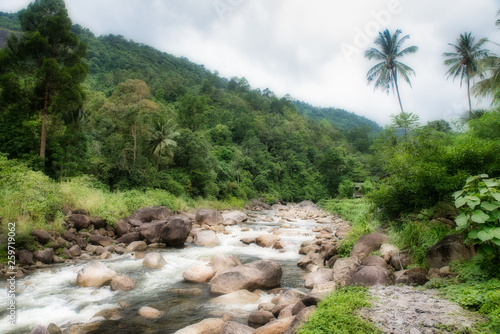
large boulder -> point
(79, 221)
(96, 239)
(301, 318)
(198, 274)
(222, 262)
(322, 275)
(129, 238)
(275, 327)
(234, 216)
(414, 276)
(374, 260)
(41, 236)
(151, 231)
(263, 274)
(311, 260)
(122, 283)
(45, 256)
(208, 217)
(122, 228)
(206, 238)
(370, 276)
(451, 248)
(154, 260)
(207, 326)
(95, 275)
(240, 297)
(25, 257)
(233, 327)
(367, 244)
(344, 269)
(267, 240)
(175, 232)
(150, 213)
(257, 319)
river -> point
(51, 295)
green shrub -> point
(346, 189)
(336, 314)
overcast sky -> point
(312, 50)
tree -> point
(464, 62)
(385, 73)
(162, 139)
(50, 55)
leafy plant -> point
(479, 205)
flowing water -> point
(51, 295)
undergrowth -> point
(336, 314)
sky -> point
(312, 50)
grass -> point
(336, 314)
(477, 288)
(359, 212)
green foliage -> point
(359, 212)
(479, 205)
(336, 314)
(477, 288)
(417, 237)
(346, 189)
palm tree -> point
(385, 73)
(465, 61)
(162, 139)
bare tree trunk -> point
(468, 95)
(394, 74)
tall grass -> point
(359, 212)
(417, 237)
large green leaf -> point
(496, 196)
(490, 206)
(484, 176)
(485, 235)
(462, 221)
(473, 201)
(479, 217)
(456, 194)
(459, 202)
(491, 183)
(496, 232)
(496, 241)
(473, 234)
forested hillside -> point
(152, 120)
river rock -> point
(222, 262)
(150, 213)
(387, 251)
(151, 231)
(129, 238)
(110, 314)
(96, 239)
(41, 236)
(95, 275)
(54, 329)
(199, 274)
(263, 274)
(150, 313)
(243, 297)
(175, 232)
(25, 257)
(44, 256)
(75, 251)
(259, 318)
(344, 269)
(401, 260)
(154, 260)
(414, 276)
(267, 240)
(207, 326)
(122, 228)
(233, 327)
(275, 327)
(136, 246)
(122, 283)
(79, 221)
(310, 260)
(370, 276)
(367, 244)
(451, 248)
(322, 275)
(301, 318)
(374, 260)
(236, 216)
(39, 329)
(208, 217)
(206, 238)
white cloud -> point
(294, 46)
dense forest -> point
(147, 119)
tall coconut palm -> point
(162, 139)
(465, 61)
(389, 51)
